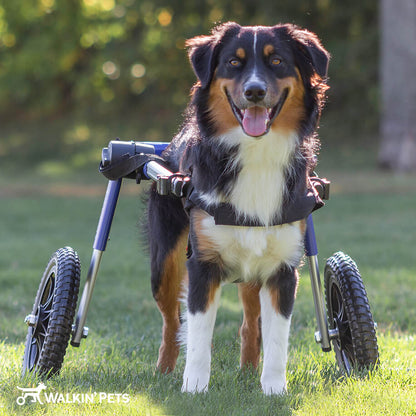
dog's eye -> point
(275, 61)
(235, 62)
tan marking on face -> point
(293, 109)
(220, 110)
(241, 53)
(268, 50)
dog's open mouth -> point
(256, 120)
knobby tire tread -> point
(354, 298)
(67, 281)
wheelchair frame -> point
(340, 273)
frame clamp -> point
(175, 184)
(128, 166)
(322, 186)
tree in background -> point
(99, 62)
(398, 82)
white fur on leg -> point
(275, 333)
(200, 327)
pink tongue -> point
(255, 121)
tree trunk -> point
(398, 85)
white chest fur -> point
(260, 186)
(256, 252)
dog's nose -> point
(255, 91)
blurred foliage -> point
(124, 59)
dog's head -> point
(259, 78)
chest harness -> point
(297, 207)
(300, 204)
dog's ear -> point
(203, 51)
(311, 47)
(201, 54)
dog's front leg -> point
(203, 298)
(276, 300)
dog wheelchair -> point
(343, 319)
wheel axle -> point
(85, 331)
(31, 320)
(333, 334)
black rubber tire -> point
(54, 308)
(349, 312)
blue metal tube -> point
(311, 251)
(158, 146)
(107, 215)
(100, 243)
(311, 248)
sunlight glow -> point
(138, 70)
(110, 69)
(165, 17)
(104, 5)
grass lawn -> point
(370, 216)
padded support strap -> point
(129, 166)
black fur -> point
(209, 274)
(204, 50)
(167, 220)
(285, 281)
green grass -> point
(376, 227)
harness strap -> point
(296, 209)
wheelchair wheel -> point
(349, 313)
(50, 323)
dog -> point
(248, 143)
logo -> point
(33, 395)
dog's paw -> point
(194, 385)
(197, 373)
(273, 386)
